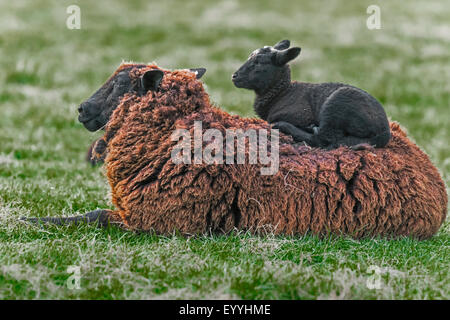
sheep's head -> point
(265, 66)
(94, 113)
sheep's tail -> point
(100, 217)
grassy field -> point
(47, 70)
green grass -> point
(48, 69)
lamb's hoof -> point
(283, 127)
(300, 144)
(362, 146)
(277, 125)
(313, 129)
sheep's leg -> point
(97, 152)
(101, 217)
(297, 133)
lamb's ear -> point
(151, 79)
(283, 57)
(199, 72)
(283, 44)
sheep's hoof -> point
(30, 220)
(98, 152)
(98, 216)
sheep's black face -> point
(264, 67)
(95, 112)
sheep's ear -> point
(283, 44)
(199, 72)
(151, 79)
(283, 57)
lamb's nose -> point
(234, 76)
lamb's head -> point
(95, 112)
(265, 66)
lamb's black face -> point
(264, 66)
(258, 71)
(95, 112)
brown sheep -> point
(390, 192)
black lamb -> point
(325, 115)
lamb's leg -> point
(297, 133)
(350, 117)
(353, 143)
(100, 217)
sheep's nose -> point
(82, 107)
(234, 76)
